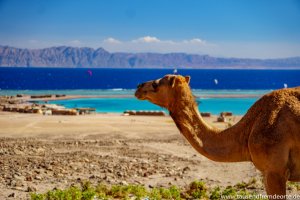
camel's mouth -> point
(140, 98)
(139, 95)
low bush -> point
(195, 190)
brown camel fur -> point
(268, 135)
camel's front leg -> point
(275, 184)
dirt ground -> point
(39, 153)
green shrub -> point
(175, 192)
(35, 196)
(102, 191)
(155, 194)
(197, 190)
(215, 194)
(165, 193)
(229, 192)
(119, 191)
(293, 185)
(138, 191)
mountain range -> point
(74, 57)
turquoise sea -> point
(119, 100)
(238, 106)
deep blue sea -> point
(82, 78)
(118, 82)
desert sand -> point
(39, 153)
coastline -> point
(53, 98)
(116, 103)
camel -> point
(268, 135)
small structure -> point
(64, 112)
(221, 119)
(145, 112)
(206, 114)
(223, 115)
(83, 111)
(40, 96)
(47, 112)
(130, 112)
(37, 111)
(60, 95)
(226, 114)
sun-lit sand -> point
(42, 152)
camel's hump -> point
(269, 106)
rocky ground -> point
(39, 153)
(30, 165)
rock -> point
(40, 151)
(146, 174)
(138, 182)
(120, 174)
(179, 173)
(12, 195)
(145, 162)
(17, 174)
(19, 177)
(18, 188)
(13, 183)
(18, 152)
(30, 189)
(38, 178)
(28, 178)
(92, 177)
(123, 183)
(186, 169)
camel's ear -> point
(172, 81)
(187, 79)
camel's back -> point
(268, 109)
(277, 100)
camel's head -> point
(162, 91)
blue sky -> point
(228, 28)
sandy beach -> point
(39, 153)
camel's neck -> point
(229, 145)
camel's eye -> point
(154, 85)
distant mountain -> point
(64, 56)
